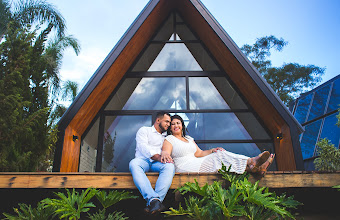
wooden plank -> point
(124, 180)
(71, 151)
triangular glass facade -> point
(175, 73)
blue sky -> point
(311, 27)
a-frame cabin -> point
(175, 57)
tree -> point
(27, 12)
(29, 77)
(289, 80)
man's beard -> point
(162, 128)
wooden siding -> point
(274, 179)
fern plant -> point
(109, 199)
(100, 215)
(71, 205)
(241, 198)
(27, 212)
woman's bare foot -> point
(264, 167)
(254, 163)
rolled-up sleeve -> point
(142, 144)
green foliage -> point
(107, 200)
(338, 117)
(27, 212)
(29, 65)
(71, 205)
(112, 216)
(289, 80)
(329, 156)
(337, 187)
(240, 199)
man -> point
(149, 141)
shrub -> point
(71, 205)
(241, 198)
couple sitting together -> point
(177, 152)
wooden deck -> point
(274, 179)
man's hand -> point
(166, 158)
(156, 157)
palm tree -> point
(28, 12)
(70, 90)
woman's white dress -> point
(186, 162)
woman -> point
(188, 157)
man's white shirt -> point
(148, 142)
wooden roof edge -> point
(247, 65)
(106, 64)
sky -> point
(311, 28)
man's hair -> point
(161, 114)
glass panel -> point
(119, 141)
(223, 126)
(166, 30)
(148, 56)
(204, 95)
(319, 102)
(150, 94)
(175, 57)
(330, 130)
(302, 108)
(184, 32)
(202, 57)
(309, 139)
(88, 151)
(335, 97)
(178, 18)
(309, 165)
(248, 149)
(213, 93)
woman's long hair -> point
(184, 129)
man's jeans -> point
(138, 167)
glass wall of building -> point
(174, 73)
(316, 111)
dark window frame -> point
(130, 74)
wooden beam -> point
(273, 179)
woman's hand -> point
(165, 157)
(214, 150)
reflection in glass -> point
(335, 97)
(223, 126)
(175, 57)
(330, 130)
(302, 108)
(158, 93)
(309, 139)
(119, 141)
(319, 102)
(149, 94)
(204, 95)
(88, 151)
(202, 57)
